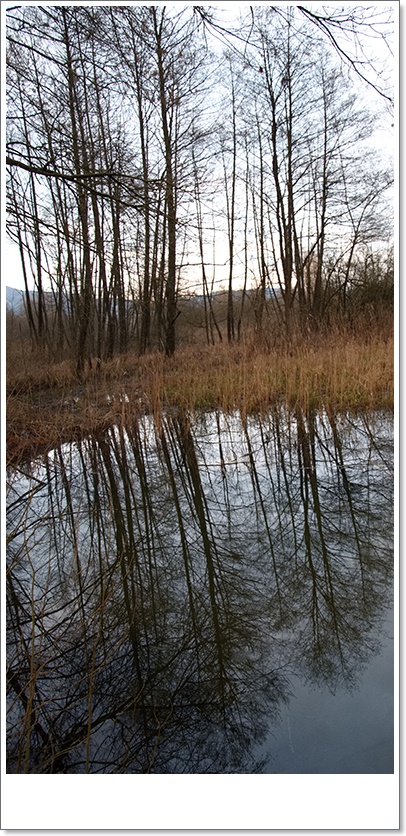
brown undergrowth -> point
(46, 405)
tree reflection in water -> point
(165, 581)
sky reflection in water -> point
(204, 594)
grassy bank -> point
(46, 405)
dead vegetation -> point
(46, 404)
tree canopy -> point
(158, 152)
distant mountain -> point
(15, 300)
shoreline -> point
(47, 406)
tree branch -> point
(48, 172)
(322, 24)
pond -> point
(204, 593)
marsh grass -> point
(46, 404)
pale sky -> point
(385, 140)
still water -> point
(204, 594)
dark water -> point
(204, 594)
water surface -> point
(204, 593)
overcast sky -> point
(384, 139)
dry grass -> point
(46, 405)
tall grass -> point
(341, 370)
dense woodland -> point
(168, 168)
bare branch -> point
(324, 23)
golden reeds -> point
(46, 404)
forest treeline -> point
(155, 155)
